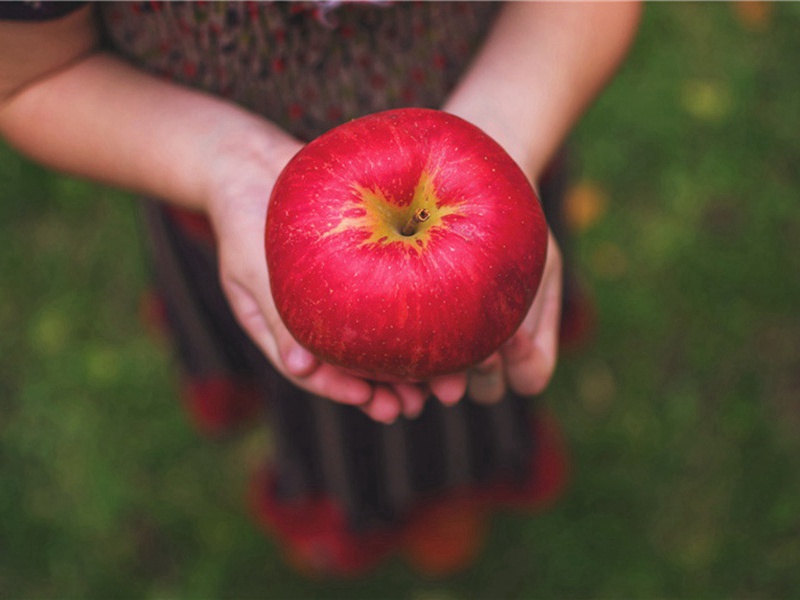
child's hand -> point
(244, 173)
(527, 361)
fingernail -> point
(413, 409)
(299, 360)
(451, 398)
(360, 394)
(386, 413)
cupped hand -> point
(527, 361)
(245, 168)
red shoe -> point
(314, 535)
(217, 405)
(446, 536)
(440, 538)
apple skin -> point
(357, 291)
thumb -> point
(530, 356)
(265, 328)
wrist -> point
(244, 160)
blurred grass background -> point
(683, 415)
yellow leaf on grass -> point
(705, 99)
(584, 205)
(51, 331)
(754, 15)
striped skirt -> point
(375, 475)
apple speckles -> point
(356, 291)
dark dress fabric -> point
(308, 67)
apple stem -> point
(420, 216)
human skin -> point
(84, 112)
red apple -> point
(404, 245)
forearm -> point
(104, 120)
(540, 68)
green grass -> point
(683, 416)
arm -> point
(541, 67)
(86, 113)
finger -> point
(265, 328)
(449, 389)
(250, 317)
(486, 383)
(529, 376)
(384, 405)
(298, 361)
(294, 362)
(530, 356)
(412, 399)
(246, 283)
(529, 362)
(337, 385)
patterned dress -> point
(308, 67)
(305, 66)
